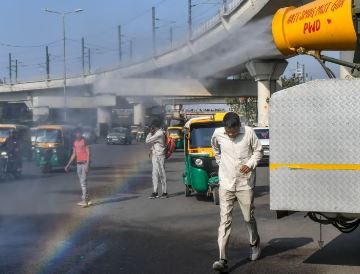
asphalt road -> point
(42, 230)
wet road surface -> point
(42, 230)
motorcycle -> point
(9, 165)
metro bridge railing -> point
(226, 9)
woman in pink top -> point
(81, 153)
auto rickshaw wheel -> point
(45, 169)
(215, 193)
(187, 191)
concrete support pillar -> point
(265, 89)
(40, 114)
(177, 110)
(2, 106)
(265, 72)
(139, 114)
(103, 120)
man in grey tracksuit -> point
(156, 137)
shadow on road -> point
(202, 197)
(343, 250)
(175, 160)
(279, 245)
(114, 200)
(180, 193)
(174, 171)
(110, 168)
(99, 190)
(276, 246)
(93, 168)
(261, 191)
(239, 264)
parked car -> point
(119, 135)
(263, 135)
(89, 135)
(142, 133)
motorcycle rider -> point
(12, 147)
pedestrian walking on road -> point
(81, 153)
(157, 138)
(237, 152)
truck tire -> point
(215, 194)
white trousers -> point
(227, 201)
(82, 174)
(158, 173)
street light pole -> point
(131, 49)
(63, 14)
(64, 51)
(171, 37)
(120, 42)
(153, 20)
(47, 61)
(10, 69)
(190, 5)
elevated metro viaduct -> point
(139, 94)
(240, 40)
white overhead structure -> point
(221, 50)
(266, 73)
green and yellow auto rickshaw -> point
(201, 169)
(176, 133)
(53, 146)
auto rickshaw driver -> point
(12, 147)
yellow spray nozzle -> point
(319, 25)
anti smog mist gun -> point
(314, 165)
(318, 26)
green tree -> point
(287, 82)
(246, 107)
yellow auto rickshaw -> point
(176, 133)
(201, 169)
(53, 146)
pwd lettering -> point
(310, 27)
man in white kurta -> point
(237, 152)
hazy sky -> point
(25, 29)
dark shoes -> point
(255, 252)
(154, 195)
(221, 266)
